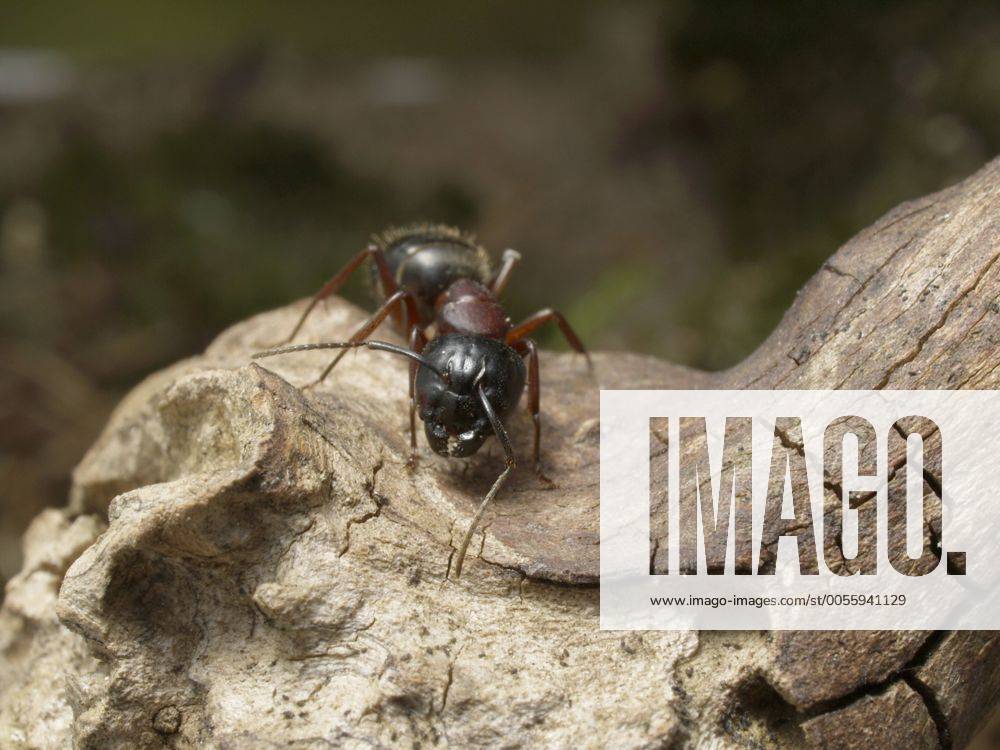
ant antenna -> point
(501, 434)
(382, 346)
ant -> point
(467, 361)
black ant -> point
(468, 374)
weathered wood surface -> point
(272, 572)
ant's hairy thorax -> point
(469, 307)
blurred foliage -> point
(798, 123)
(121, 31)
(814, 119)
(209, 224)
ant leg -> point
(501, 434)
(533, 322)
(389, 286)
(510, 259)
(528, 347)
(417, 343)
(367, 329)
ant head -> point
(455, 421)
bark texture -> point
(246, 564)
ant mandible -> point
(467, 361)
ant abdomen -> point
(427, 259)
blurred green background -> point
(672, 172)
